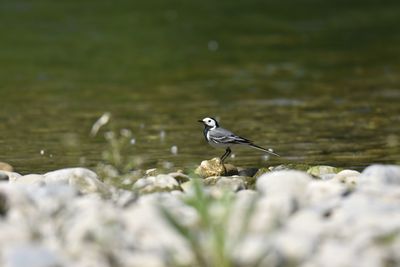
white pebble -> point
(213, 45)
(174, 150)
(162, 135)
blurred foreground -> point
(290, 218)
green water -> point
(317, 81)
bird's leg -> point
(226, 154)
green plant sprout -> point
(208, 239)
(118, 163)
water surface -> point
(316, 81)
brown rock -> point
(214, 167)
(6, 167)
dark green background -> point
(318, 81)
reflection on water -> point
(318, 84)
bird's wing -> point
(221, 135)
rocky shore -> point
(220, 215)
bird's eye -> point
(209, 121)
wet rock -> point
(214, 167)
(379, 174)
(159, 183)
(348, 177)
(6, 167)
(323, 172)
(84, 180)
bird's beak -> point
(200, 121)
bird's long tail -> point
(263, 149)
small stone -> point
(348, 177)
(159, 183)
(84, 180)
(214, 167)
(323, 172)
(30, 179)
(6, 167)
(288, 182)
(380, 174)
(233, 184)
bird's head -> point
(209, 122)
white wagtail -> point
(219, 137)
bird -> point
(217, 136)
